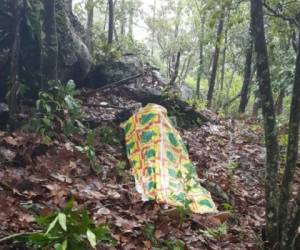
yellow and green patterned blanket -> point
(160, 162)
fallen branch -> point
(188, 112)
(231, 100)
(9, 237)
(103, 106)
(118, 83)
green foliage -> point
(149, 233)
(215, 233)
(58, 110)
(89, 150)
(227, 207)
(108, 135)
(283, 140)
(67, 230)
(120, 169)
(184, 213)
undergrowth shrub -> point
(58, 110)
(67, 230)
(88, 149)
(174, 244)
(109, 135)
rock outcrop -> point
(74, 60)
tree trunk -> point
(69, 5)
(183, 67)
(247, 75)
(212, 80)
(14, 65)
(130, 24)
(90, 24)
(279, 101)
(116, 34)
(187, 68)
(176, 69)
(263, 77)
(224, 60)
(49, 44)
(256, 106)
(201, 58)
(123, 18)
(287, 236)
(110, 22)
(153, 30)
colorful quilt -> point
(160, 162)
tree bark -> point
(110, 22)
(256, 106)
(14, 64)
(263, 77)
(279, 101)
(69, 5)
(153, 30)
(224, 60)
(130, 24)
(247, 75)
(176, 69)
(123, 18)
(212, 80)
(287, 236)
(187, 68)
(90, 24)
(201, 58)
(49, 44)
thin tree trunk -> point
(247, 75)
(224, 60)
(291, 238)
(176, 70)
(130, 24)
(287, 236)
(153, 30)
(212, 80)
(183, 66)
(116, 34)
(256, 106)
(111, 22)
(230, 83)
(14, 65)
(263, 77)
(201, 58)
(49, 44)
(69, 5)
(279, 101)
(123, 18)
(90, 24)
(105, 18)
(187, 69)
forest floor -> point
(229, 156)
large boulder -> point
(186, 92)
(112, 70)
(74, 60)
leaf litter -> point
(36, 179)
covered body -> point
(160, 162)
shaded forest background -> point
(230, 59)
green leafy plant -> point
(57, 111)
(67, 230)
(149, 233)
(228, 207)
(89, 150)
(215, 233)
(108, 135)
